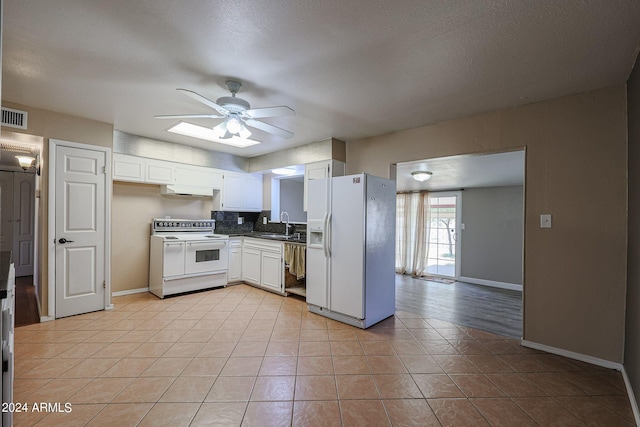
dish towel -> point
(294, 257)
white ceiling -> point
(350, 69)
(468, 171)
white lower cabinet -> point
(262, 264)
(271, 270)
(251, 265)
(235, 259)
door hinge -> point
(104, 284)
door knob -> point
(63, 241)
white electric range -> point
(186, 255)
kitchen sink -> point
(276, 236)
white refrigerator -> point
(351, 223)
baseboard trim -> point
(46, 319)
(492, 283)
(632, 396)
(129, 292)
(572, 355)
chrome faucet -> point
(286, 227)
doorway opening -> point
(462, 227)
(443, 256)
(19, 213)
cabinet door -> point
(320, 170)
(252, 192)
(128, 168)
(233, 192)
(198, 176)
(251, 265)
(272, 271)
(316, 170)
(159, 172)
(235, 264)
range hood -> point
(186, 190)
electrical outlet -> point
(240, 220)
(545, 221)
(264, 220)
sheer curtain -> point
(413, 221)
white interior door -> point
(80, 225)
(24, 198)
(6, 211)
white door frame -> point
(51, 232)
(458, 195)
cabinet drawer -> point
(263, 245)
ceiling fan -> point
(237, 114)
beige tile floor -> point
(242, 356)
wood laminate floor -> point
(490, 309)
(26, 305)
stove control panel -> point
(162, 224)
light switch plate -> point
(545, 221)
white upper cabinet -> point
(320, 170)
(159, 172)
(253, 192)
(232, 191)
(198, 176)
(128, 168)
(240, 192)
(151, 171)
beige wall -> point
(49, 124)
(576, 170)
(632, 330)
(133, 207)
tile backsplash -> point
(227, 223)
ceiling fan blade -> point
(189, 116)
(257, 113)
(221, 110)
(266, 127)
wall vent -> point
(14, 118)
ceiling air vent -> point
(14, 118)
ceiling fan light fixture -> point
(234, 125)
(244, 132)
(208, 134)
(421, 175)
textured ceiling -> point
(468, 171)
(350, 69)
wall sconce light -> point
(27, 161)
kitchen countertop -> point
(271, 236)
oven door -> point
(208, 256)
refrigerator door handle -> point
(327, 236)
